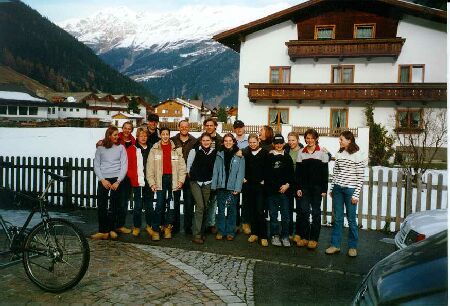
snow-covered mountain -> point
(172, 53)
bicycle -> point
(55, 253)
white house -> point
(22, 106)
(120, 118)
(88, 105)
(319, 63)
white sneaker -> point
(285, 242)
(276, 241)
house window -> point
(280, 75)
(71, 109)
(411, 73)
(339, 118)
(409, 119)
(342, 74)
(94, 112)
(278, 116)
(324, 32)
(12, 110)
(366, 30)
(64, 109)
(117, 123)
(3, 109)
(107, 112)
(33, 111)
(23, 110)
(165, 111)
(78, 109)
(49, 111)
(53, 110)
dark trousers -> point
(310, 202)
(123, 209)
(108, 218)
(188, 208)
(143, 198)
(253, 197)
(163, 214)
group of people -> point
(213, 171)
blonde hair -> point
(141, 130)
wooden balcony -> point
(349, 92)
(390, 47)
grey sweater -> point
(112, 162)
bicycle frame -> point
(16, 245)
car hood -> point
(428, 222)
(419, 269)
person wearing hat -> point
(152, 128)
(241, 137)
(279, 177)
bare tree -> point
(420, 145)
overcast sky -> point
(57, 10)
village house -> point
(175, 110)
(22, 106)
(320, 63)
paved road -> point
(136, 270)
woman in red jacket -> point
(142, 194)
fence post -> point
(370, 194)
(429, 190)
(418, 194)
(439, 191)
(398, 208)
(408, 195)
(388, 201)
(379, 198)
(67, 187)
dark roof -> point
(233, 37)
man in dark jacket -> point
(152, 128)
(185, 141)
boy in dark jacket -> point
(311, 174)
(279, 177)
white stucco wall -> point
(425, 44)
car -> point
(421, 225)
(415, 275)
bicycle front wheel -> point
(56, 255)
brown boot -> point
(168, 231)
(246, 229)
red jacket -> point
(136, 169)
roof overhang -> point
(232, 38)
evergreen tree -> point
(222, 115)
(380, 142)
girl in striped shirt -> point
(348, 178)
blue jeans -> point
(279, 202)
(343, 196)
(163, 198)
(142, 197)
(226, 224)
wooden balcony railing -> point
(372, 47)
(325, 131)
(349, 92)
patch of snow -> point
(16, 95)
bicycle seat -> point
(59, 178)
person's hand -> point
(245, 180)
(115, 186)
(106, 184)
(180, 184)
(283, 188)
(153, 187)
(235, 193)
(355, 201)
(299, 193)
(323, 194)
(99, 143)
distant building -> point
(20, 106)
(232, 113)
(174, 110)
(120, 118)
